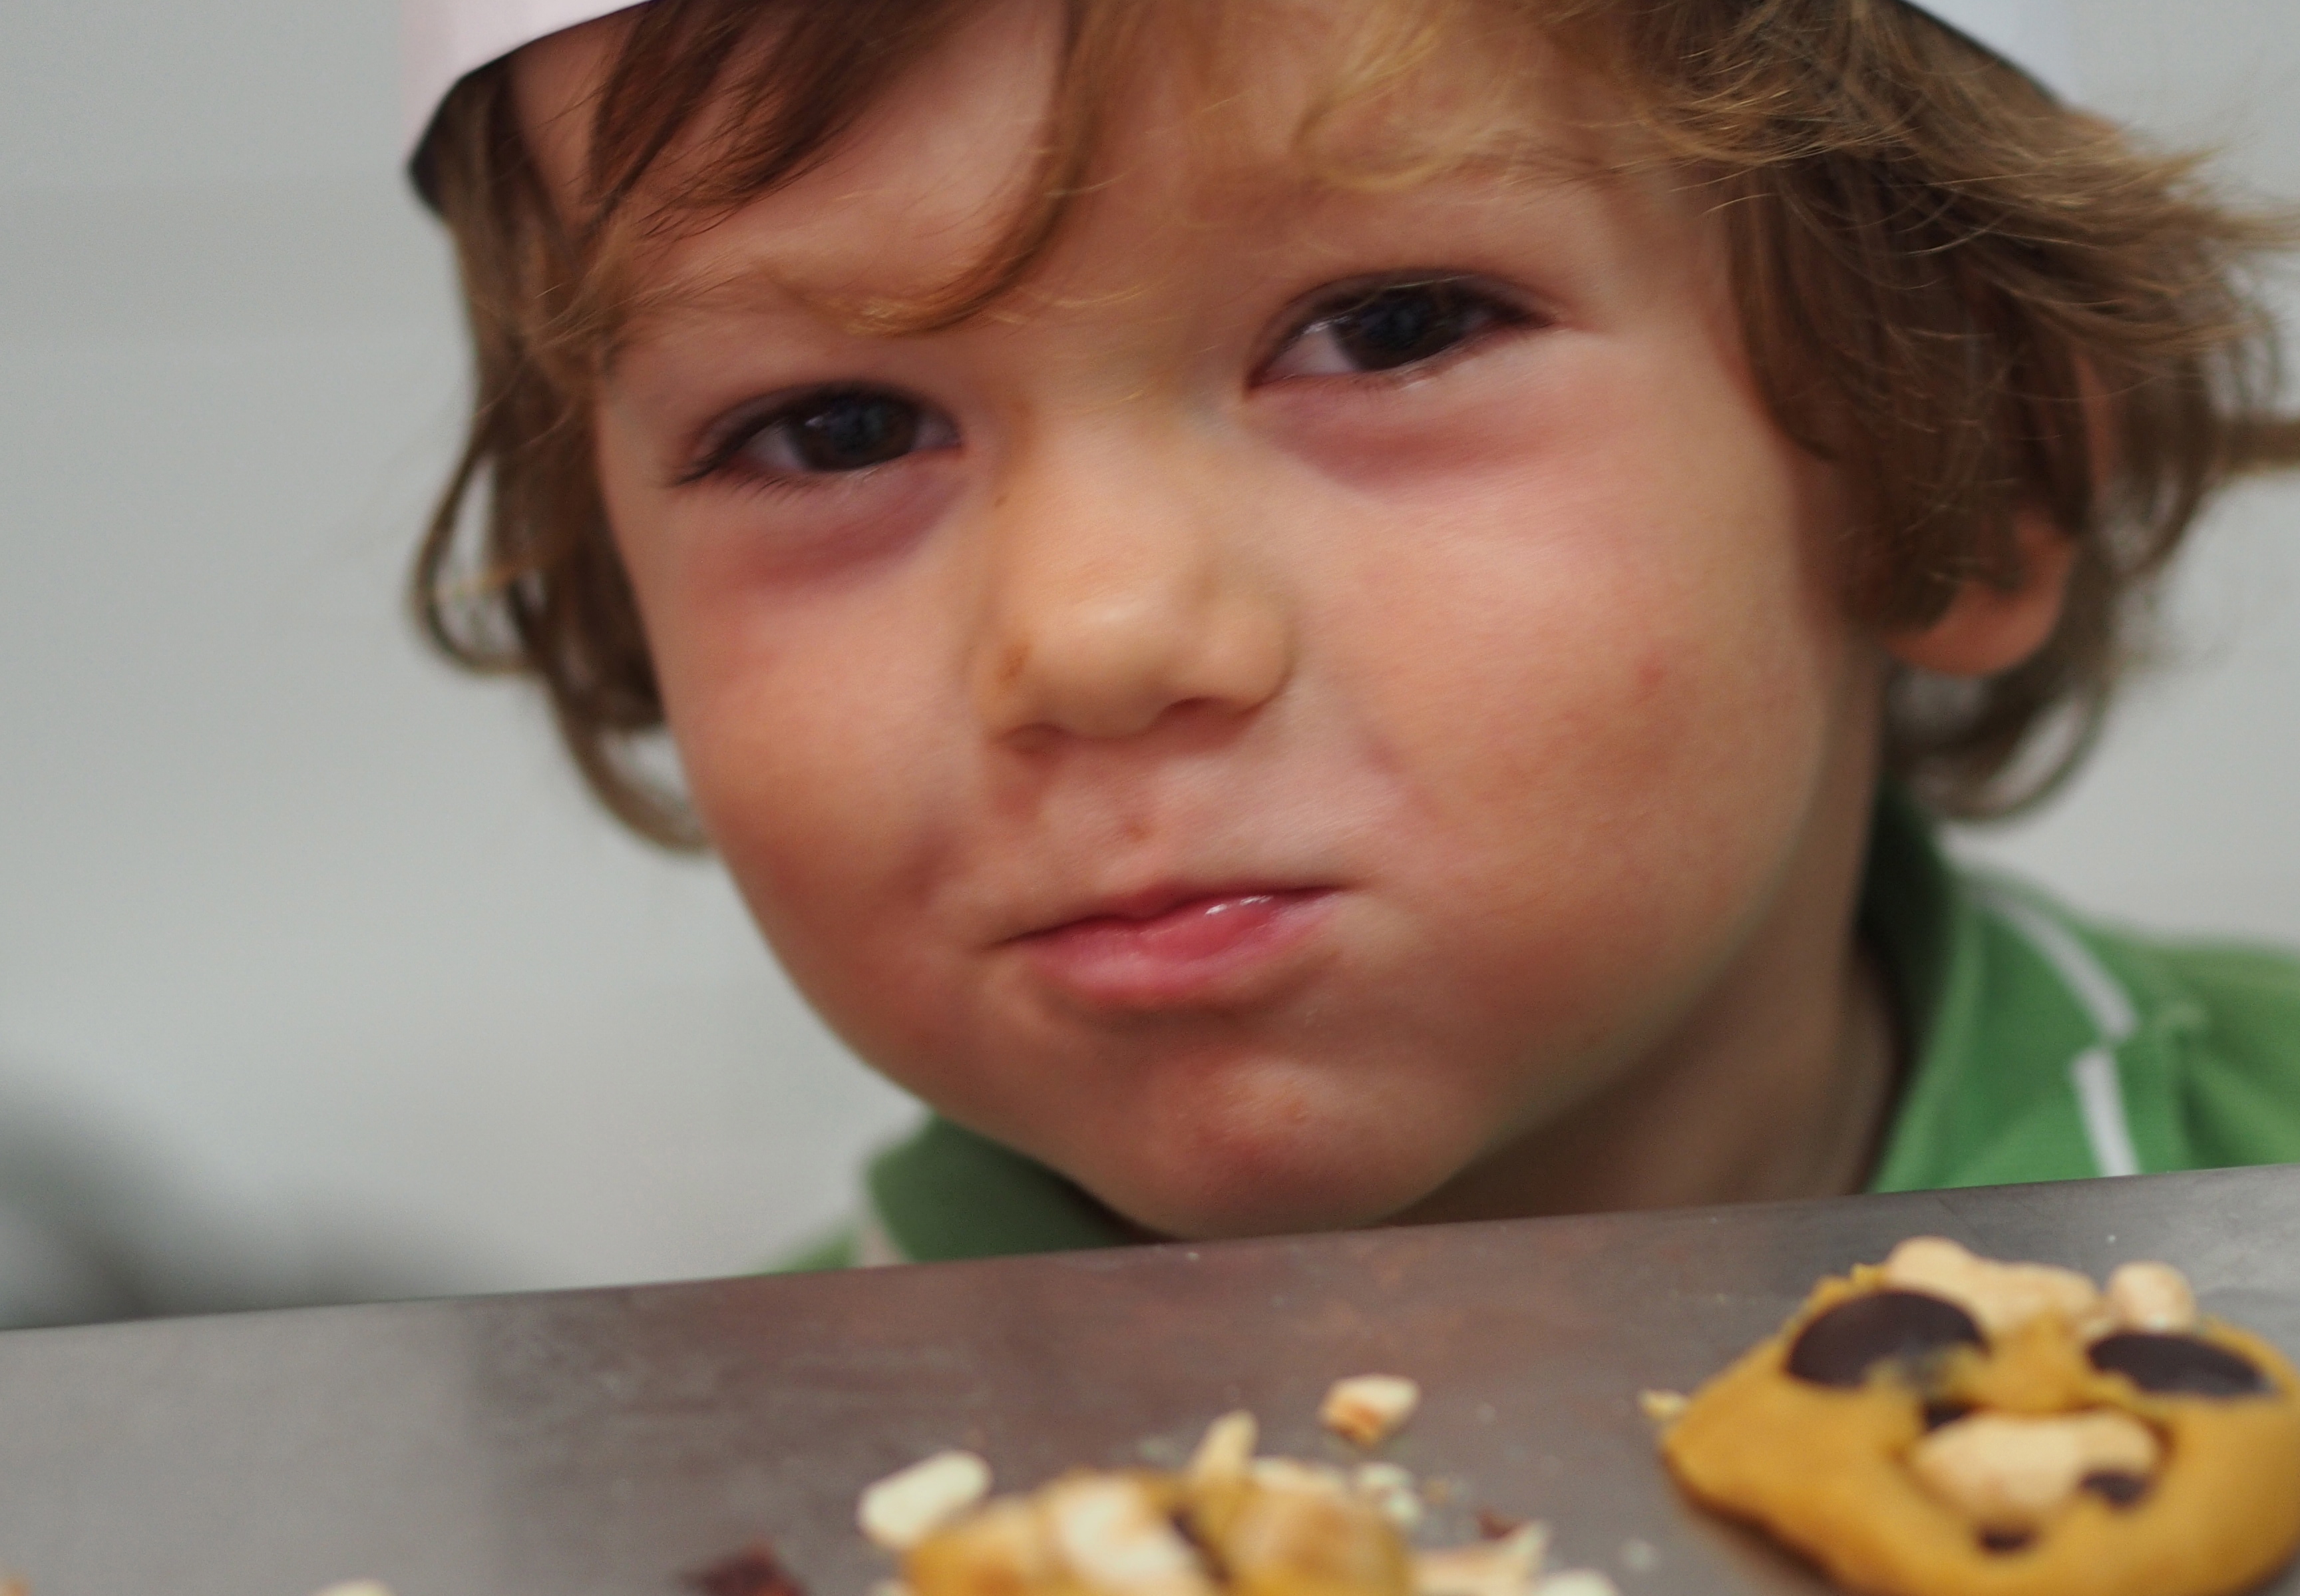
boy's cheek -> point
(819, 764)
(825, 789)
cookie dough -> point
(1948, 1426)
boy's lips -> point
(1174, 947)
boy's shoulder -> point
(945, 1194)
(2047, 1045)
(2234, 1011)
(834, 1250)
(2251, 991)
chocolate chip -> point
(1942, 1411)
(1497, 1526)
(1844, 1344)
(2002, 1541)
(2116, 1488)
(755, 1571)
(2179, 1364)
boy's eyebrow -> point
(763, 282)
(751, 285)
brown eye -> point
(848, 431)
(1390, 328)
(1411, 322)
(834, 430)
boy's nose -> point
(1117, 594)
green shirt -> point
(2046, 1048)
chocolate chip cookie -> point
(1945, 1425)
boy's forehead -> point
(935, 171)
(443, 41)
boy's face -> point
(1312, 688)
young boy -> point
(1320, 612)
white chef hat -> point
(445, 40)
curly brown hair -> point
(1971, 298)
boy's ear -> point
(1987, 628)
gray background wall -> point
(312, 959)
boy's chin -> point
(1218, 1199)
(1263, 1143)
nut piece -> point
(1115, 1536)
(1502, 1567)
(1224, 1455)
(2010, 1472)
(1370, 1408)
(905, 1508)
(2151, 1297)
(1577, 1582)
(2000, 1297)
(1663, 1406)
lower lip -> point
(1202, 950)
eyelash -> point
(1501, 313)
(1491, 313)
(718, 447)
(725, 439)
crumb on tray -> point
(908, 1506)
(1370, 1408)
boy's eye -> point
(1390, 327)
(832, 431)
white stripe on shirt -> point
(2092, 1074)
(2100, 993)
(874, 1243)
(2100, 1098)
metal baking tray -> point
(598, 1441)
